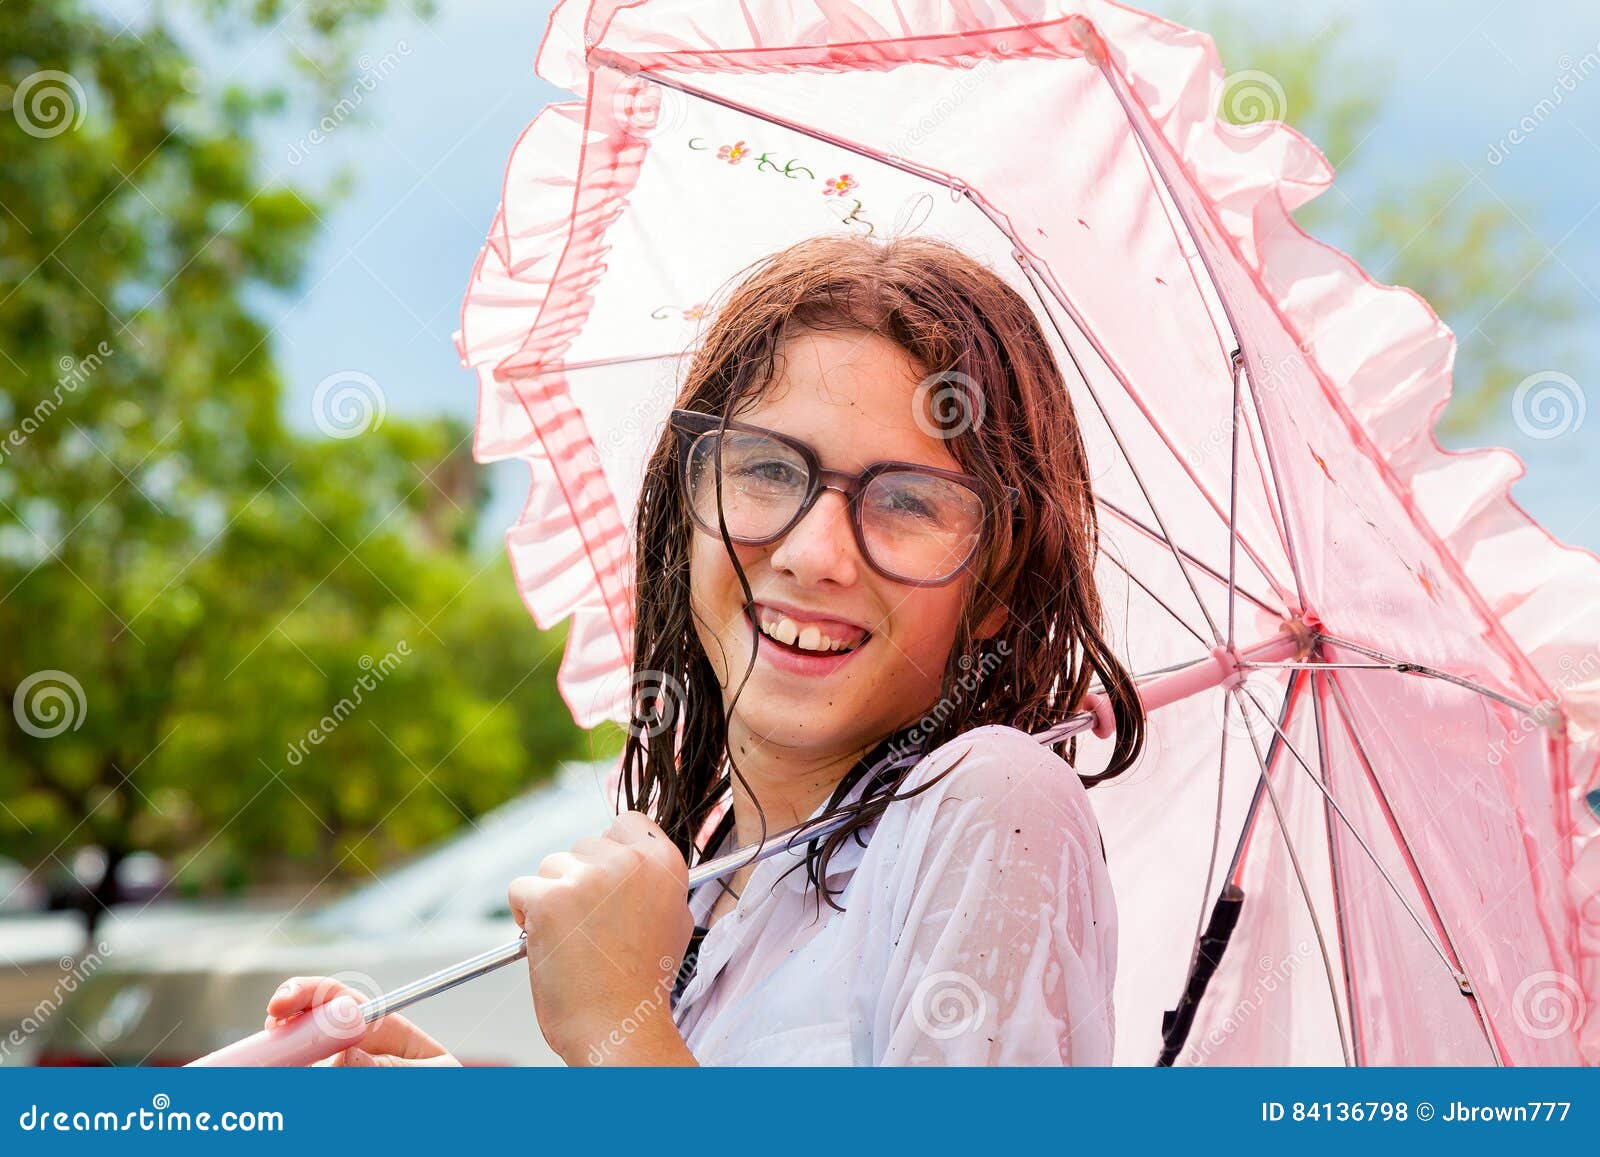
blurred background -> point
(273, 704)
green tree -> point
(1443, 233)
(257, 652)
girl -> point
(865, 571)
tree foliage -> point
(189, 589)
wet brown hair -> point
(1011, 422)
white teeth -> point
(811, 638)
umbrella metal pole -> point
(512, 951)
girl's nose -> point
(822, 545)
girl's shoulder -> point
(992, 811)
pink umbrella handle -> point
(314, 1035)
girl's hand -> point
(394, 1040)
(607, 925)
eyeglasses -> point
(914, 524)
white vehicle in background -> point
(168, 1001)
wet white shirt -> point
(979, 929)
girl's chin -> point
(819, 731)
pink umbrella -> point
(1359, 833)
(1418, 872)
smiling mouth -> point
(808, 638)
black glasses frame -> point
(691, 425)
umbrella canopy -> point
(1398, 791)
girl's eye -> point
(903, 502)
(767, 472)
(926, 504)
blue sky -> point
(384, 285)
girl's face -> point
(850, 396)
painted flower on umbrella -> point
(689, 313)
(839, 186)
(733, 154)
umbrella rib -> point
(1334, 862)
(1216, 826)
(1116, 434)
(1463, 981)
(1233, 498)
(1407, 667)
(1272, 458)
(1149, 532)
(1294, 857)
(1274, 748)
(1361, 841)
(594, 364)
(1162, 603)
(1159, 174)
(1235, 355)
(1288, 665)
